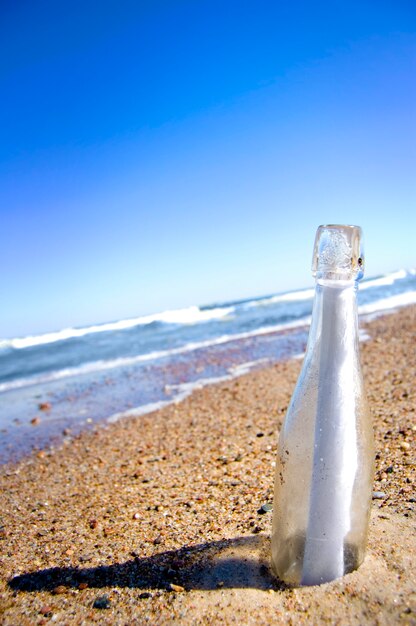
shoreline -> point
(160, 512)
(80, 405)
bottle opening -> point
(338, 252)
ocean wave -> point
(291, 296)
(308, 294)
(186, 316)
(183, 390)
(97, 366)
(190, 315)
(391, 302)
(377, 307)
(387, 279)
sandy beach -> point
(157, 519)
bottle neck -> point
(334, 316)
(327, 280)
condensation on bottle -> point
(325, 459)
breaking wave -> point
(190, 315)
(392, 302)
(102, 365)
(383, 281)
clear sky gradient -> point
(155, 155)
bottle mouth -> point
(338, 252)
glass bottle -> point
(325, 460)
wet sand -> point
(155, 519)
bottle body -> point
(325, 461)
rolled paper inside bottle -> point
(335, 457)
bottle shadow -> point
(241, 562)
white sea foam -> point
(388, 279)
(97, 366)
(245, 368)
(292, 296)
(138, 410)
(391, 302)
(308, 294)
(190, 315)
(101, 365)
(184, 390)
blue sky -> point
(155, 155)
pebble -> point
(60, 589)
(45, 609)
(44, 406)
(35, 421)
(265, 508)
(145, 595)
(378, 495)
(102, 602)
(177, 588)
(405, 445)
(82, 586)
(84, 558)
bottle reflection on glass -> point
(325, 461)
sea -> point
(54, 385)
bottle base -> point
(288, 561)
